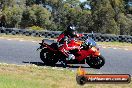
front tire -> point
(48, 58)
(96, 62)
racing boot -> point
(71, 57)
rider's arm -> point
(61, 36)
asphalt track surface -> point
(118, 61)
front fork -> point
(96, 52)
(40, 48)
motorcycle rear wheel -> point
(48, 58)
(96, 62)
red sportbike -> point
(88, 53)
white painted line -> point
(114, 48)
(61, 69)
(119, 48)
(21, 40)
(9, 39)
(34, 41)
(125, 49)
(99, 73)
(73, 70)
(103, 47)
(54, 67)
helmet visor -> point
(72, 27)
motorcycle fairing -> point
(84, 53)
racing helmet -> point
(71, 30)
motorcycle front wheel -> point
(96, 62)
(48, 58)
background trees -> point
(105, 16)
(36, 15)
(110, 17)
(13, 16)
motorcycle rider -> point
(70, 32)
(67, 39)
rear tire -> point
(48, 57)
(96, 62)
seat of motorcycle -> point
(48, 41)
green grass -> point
(116, 43)
(7, 81)
(30, 76)
(21, 37)
(12, 76)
